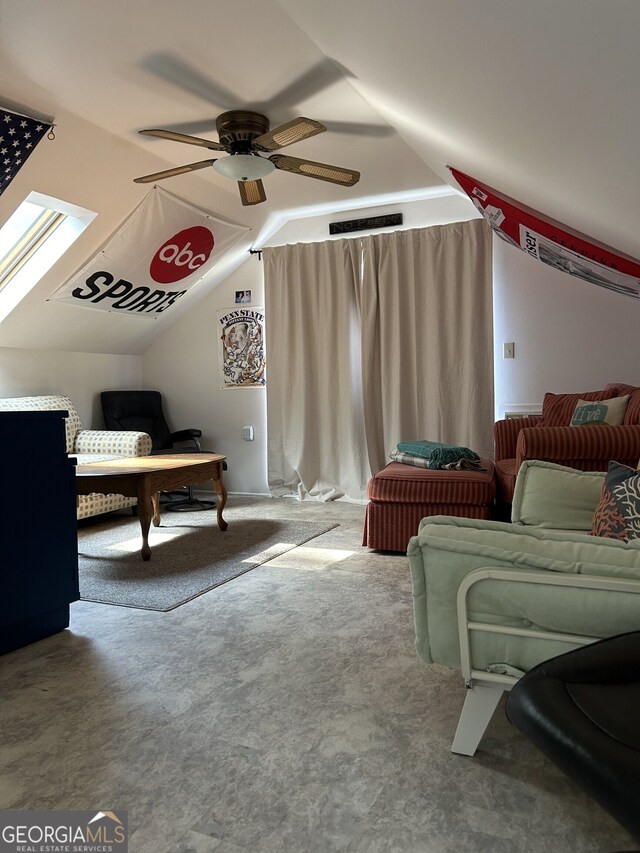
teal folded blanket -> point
(438, 454)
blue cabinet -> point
(38, 528)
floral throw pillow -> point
(617, 516)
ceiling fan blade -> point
(183, 137)
(252, 192)
(293, 131)
(169, 173)
(205, 125)
(311, 169)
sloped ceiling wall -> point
(536, 99)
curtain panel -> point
(371, 341)
(315, 444)
(427, 338)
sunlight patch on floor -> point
(155, 538)
(303, 557)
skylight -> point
(23, 235)
(34, 237)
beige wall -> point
(183, 365)
(569, 335)
(81, 376)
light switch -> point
(247, 433)
(509, 350)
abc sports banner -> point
(160, 251)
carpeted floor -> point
(189, 556)
(285, 712)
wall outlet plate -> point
(509, 350)
(247, 433)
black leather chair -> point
(142, 411)
(582, 710)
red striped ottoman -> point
(401, 495)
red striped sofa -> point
(401, 495)
(551, 438)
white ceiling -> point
(538, 99)
(153, 63)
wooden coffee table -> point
(144, 477)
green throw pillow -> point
(555, 496)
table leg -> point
(155, 501)
(221, 492)
(145, 513)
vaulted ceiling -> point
(539, 100)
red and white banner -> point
(160, 251)
(552, 243)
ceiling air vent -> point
(348, 226)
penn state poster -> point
(241, 347)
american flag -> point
(19, 135)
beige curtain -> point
(312, 342)
(371, 341)
(427, 338)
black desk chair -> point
(142, 411)
(581, 709)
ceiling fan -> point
(246, 137)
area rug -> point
(189, 556)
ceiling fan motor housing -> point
(238, 128)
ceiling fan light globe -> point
(244, 167)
